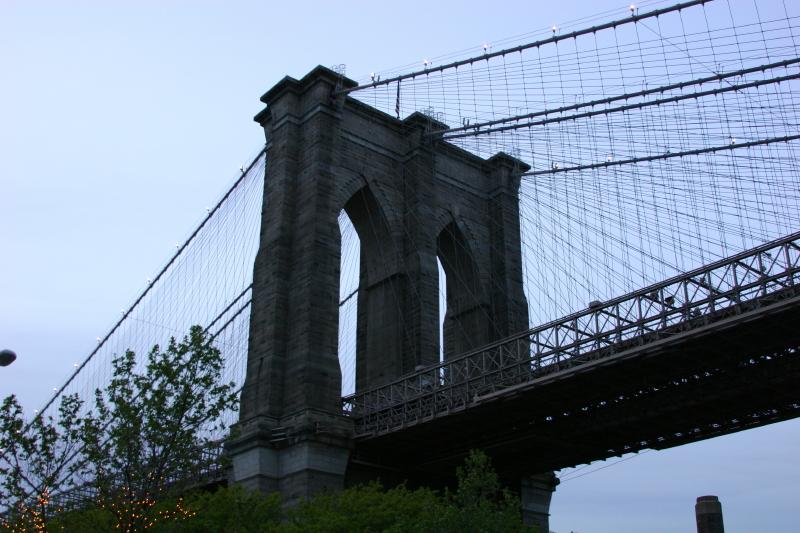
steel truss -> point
(747, 282)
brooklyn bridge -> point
(560, 251)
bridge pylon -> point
(411, 198)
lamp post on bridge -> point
(7, 357)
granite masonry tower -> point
(411, 198)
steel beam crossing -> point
(747, 283)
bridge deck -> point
(736, 373)
(695, 366)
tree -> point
(230, 509)
(135, 449)
(480, 503)
(367, 508)
(137, 446)
(35, 459)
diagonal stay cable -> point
(668, 155)
(161, 273)
(450, 132)
(623, 108)
(535, 44)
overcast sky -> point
(121, 121)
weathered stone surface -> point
(535, 494)
(411, 198)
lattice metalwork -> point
(743, 283)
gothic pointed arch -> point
(380, 325)
(372, 226)
(468, 320)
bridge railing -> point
(209, 468)
(684, 302)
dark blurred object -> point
(708, 512)
(7, 357)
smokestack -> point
(708, 512)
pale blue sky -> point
(121, 121)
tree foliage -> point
(137, 446)
(134, 448)
(35, 459)
(480, 503)
(477, 505)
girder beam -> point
(573, 342)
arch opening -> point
(442, 305)
(349, 270)
(466, 321)
(371, 328)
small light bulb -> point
(554, 28)
(98, 339)
(75, 365)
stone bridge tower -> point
(411, 198)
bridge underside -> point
(738, 371)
